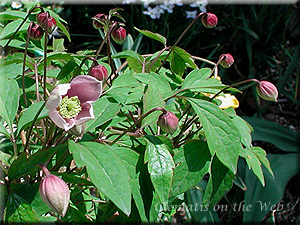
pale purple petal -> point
(86, 114)
(53, 102)
(61, 89)
(61, 122)
(56, 96)
(87, 88)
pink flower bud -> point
(99, 72)
(99, 17)
(118, 34)
(54, 192)
(227, 60)
(209, 20)
(168, 122)
(45, 20)
(35, 32)
(266, 90)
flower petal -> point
(61, 122)
(87, 88)
(86, 114)
(56, 95)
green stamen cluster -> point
(69, 107)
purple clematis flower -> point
(70, 104)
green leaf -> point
(131, 159)
(220, 181)
(243, 127)
(221, 134)
(126, 54)
(19, 211)
(12, 70)
(194, 164)
(106, 170)
(151, 100)
(9, 99)
(155, 36)
(134, 64)
(261, 199)
(6, 158)
(160, 167)
(186, 57)
(30, 193)
(11, 27)
(104, 110)
(200, 214)
(67, 69)
(198, 80)
(128, 43)
(177, 64)
(58, 45)
(281, 137)
(261, 155)
(24, 165)
(253, 163)
(12, 15)
(3, 130)
(28, 115)
(160, 81)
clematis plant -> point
(162, 125)
(71, 104)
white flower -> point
(167, 6)
(176, 2)
(16, 5)
(128, 1)
(147, 2)
(191, 14)
(200, 4)
(155, 12)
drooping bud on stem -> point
(54, 192)
(99, 20)
(266, 90)
(168, 122)
(209, 20)
(46, 21)
(226, 60)
(99, 72)
(118, 34)
(35, 32)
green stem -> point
(179, 39)
(233, 85)
(137, 122)
(33, 122)
(24, 63)
(156, 58)
(104, 40)
(60, 161)
(45, 57)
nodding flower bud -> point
(266, 90)
(209, 20)
(54, 192)
(35, 32)
(99, 17)
(99, 72)
(118, 34)
(226, 60)
(168, 122)
(46, 21)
